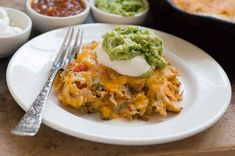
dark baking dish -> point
(213, 35)
(171, 11)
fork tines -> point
(71, 47)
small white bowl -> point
(8, 44)
(45, 23)
(105, 17)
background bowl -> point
(8, 44)
(45, 23)
(104, 17)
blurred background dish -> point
(223, 10)
(15, 30)
(48, 16)
(167, 9)
(102, 16)
(62, 8)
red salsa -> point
(58, 8)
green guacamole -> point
(121, 7)
(124, 43)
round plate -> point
(207, 92)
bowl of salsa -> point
(51, 14)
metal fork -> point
(31, 122)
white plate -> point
(207, 92)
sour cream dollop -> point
(6, 29)
(132, 67)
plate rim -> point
(123, 141)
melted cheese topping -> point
(91, 87)
(218, 8)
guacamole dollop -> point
(124, 43)
(121, 7)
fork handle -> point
(30, 123)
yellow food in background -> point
(220, 8)
(90, 87)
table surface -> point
(217, 140)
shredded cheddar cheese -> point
(90, 87)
